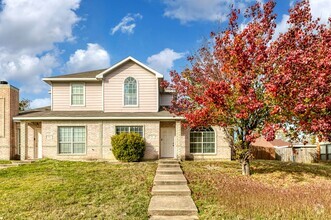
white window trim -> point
(215, 149)
(131, 126)
(123, 94)
(58, 142)
(84, 92)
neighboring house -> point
(286, 151)
(263, 149)
(325, 151)
(88, 108)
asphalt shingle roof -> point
(87, 74)
(47, 113)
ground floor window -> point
(128, 129)
(202, 140)
(72, 140)
(326, 152)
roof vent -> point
(3, 82)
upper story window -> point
(77, 94)
(130, 92)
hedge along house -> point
(88, 108)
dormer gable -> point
(109, 70)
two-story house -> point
(88, 108)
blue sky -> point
(53, 37)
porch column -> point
(180, 150)
(24, 139)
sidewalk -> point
(171, 196)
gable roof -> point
(105, 72)
(95, 75)
(262, 142)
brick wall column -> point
(24, 139)
(179, 146)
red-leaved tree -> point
(300, 77)
(249, 84)
(224, 86)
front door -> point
(167, 142)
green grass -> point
(5, 162)
(275, 190)
(51, 189)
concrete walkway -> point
(171, 196)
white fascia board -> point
(94, 118)
(101, 75)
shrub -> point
(128, 147)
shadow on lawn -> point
(296, 169)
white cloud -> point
(319, 9)
(37, 103)
(94, 57)
(27, 69)
(282, 26)
(34, 26)
(206, 10)
(127, 24)
(28, 32)
(164, 61)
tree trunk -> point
(245, 167)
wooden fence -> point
(297, 153)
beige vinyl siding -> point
(62, 100)
(147, 89)
(165, 99)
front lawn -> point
(275, 190)
(51, 189)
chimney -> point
(9, 103)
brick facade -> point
(98, 138)
(9, 99)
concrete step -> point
(22, 162)
(168, 165)
(172, 206)
(169, 170)
(8, 165)
(171, 190)
(174, 179)
(167, 161)
(177, 217)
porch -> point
(29, 140)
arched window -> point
(202, 140)
(130, 91)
